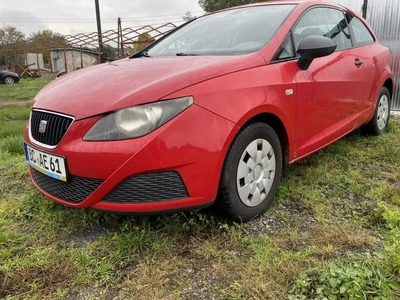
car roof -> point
(301, 4)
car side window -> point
(323, 21)
(362, 36)
(285, 51)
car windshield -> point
(232, 32)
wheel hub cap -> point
(256, 172)
(383, 112)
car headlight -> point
(136, 121)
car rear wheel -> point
(8, 80)
(251, 173)
(380, 120)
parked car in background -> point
(8, 77)
(211, 112)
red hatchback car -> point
(210, 112)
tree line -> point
(214, 5)
(12, 39)
(210, 6)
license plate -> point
(49, 164)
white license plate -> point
(49, 164)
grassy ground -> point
(334, 230)
(26, 89)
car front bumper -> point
(174, 168)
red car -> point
(210, 112)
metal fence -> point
(384, 17)
(121, 42)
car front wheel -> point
(8, 80)
(251, 173)
(380, 120)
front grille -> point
(147, 188)
(48, 128)
(75, 190)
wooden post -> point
(364, 9)
(81, 57)
(6, 59)
(65, 61)
(99, 32)
(15, 58)
(50, 61)
(37, 60)
(120, 39)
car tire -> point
(8, 80)
(380, 120)
(251, 173)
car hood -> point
(9, 73)
(128, 82)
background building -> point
(71, 59)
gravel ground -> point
(279, 218)
(201, 278)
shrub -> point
(360, 278)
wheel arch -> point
(389, 85)
(278, 126)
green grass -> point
(13, 119)
(332, 233)
(26, 89)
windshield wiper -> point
(185, 54)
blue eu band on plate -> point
(46, 163)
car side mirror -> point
(312, 47)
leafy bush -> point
(358, 279)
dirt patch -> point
(45, 277)
(81, 239)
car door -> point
(328, 97)
(365, 51)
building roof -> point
(76, 49)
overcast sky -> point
(72, 17)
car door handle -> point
(358, 62)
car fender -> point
(231, 97)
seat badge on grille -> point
(42, 126)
